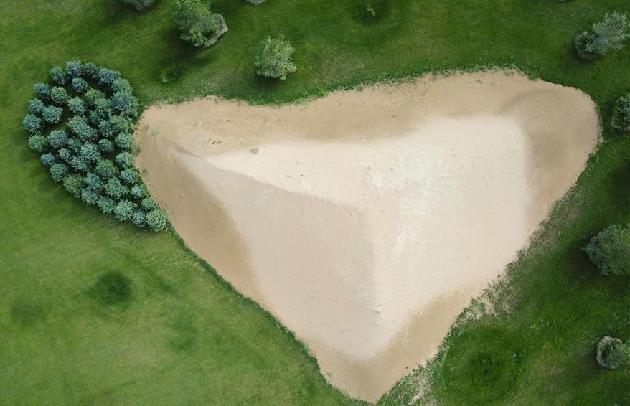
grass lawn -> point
(95, 312)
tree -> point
(115, 189)
(124, 210)
(157, 220)
(32, 123)
(37, 143)
(48, 159)
(607, 35)
(610, 250)
(72, 183)
(52, 114)
(621, 114)
(35, 106)
(76, 106)
(612, 353)
(274, 59)
(58, 76)
(58, 95)
(80, 85)
(139, 4)
(197, 24)
(58, 171)
(57, 139)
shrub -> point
(124, 160)
(89, 139)
(57, 139)
(72, 183)
(37, 143)
(106, 169)
(81, 128)
(138, 217)
(65, 154)
(124, 103)
(610, 250)
(58, 76)
(138, 4)
(106, 204)
(58, 95)
(129, 176)
(124, 210)
(612, 353)
(274, 59)
(124, 141)
(52, 114)
(74, 69)
(89, 152)
(197, 23)
(80, 85)
(621, 114)
(35, 106)
(76, 106)
(607, 35)
(105, 146)
(58, 171)
(93, 182)
(89, 196)
(32, 123)
(48, 159)
(157, 220)
(79, 164)
(42, 90)
(115, 189)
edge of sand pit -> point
(431, 76)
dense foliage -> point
(610, 250)
(274, 59)
(197, 23)
(612, 353)
(621, 115)
(81, 123)
(607, 35)
(139, 4)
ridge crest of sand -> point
(367, 220)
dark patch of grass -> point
(112, 288)
(27, 314)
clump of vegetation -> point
(139, 4)
(111, 288)
(274, 59)
(198, 24)
(607, 35)
(84, 136)
(610, 250)
(612, 353)
(621, 115)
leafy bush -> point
(139, 4)
(197, 24)
(157, 220)
(621, 115)
(610, 250)
(85, 140)
(274, 59)
(58, 95)
(612, 353)
(607, 35)
(52, 114)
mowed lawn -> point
(96, 312)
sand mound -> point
(366, 220)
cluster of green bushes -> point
(200, 26)
(81, 122)
(605, 36)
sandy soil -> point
(367, 220)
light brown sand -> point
(367, 220)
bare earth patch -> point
(367, 220)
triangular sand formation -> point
(366, 220)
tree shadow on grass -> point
(179, 58)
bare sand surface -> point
(367, 220)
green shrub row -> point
(81, 122)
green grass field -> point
(96, 312)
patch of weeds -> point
(112, 288)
